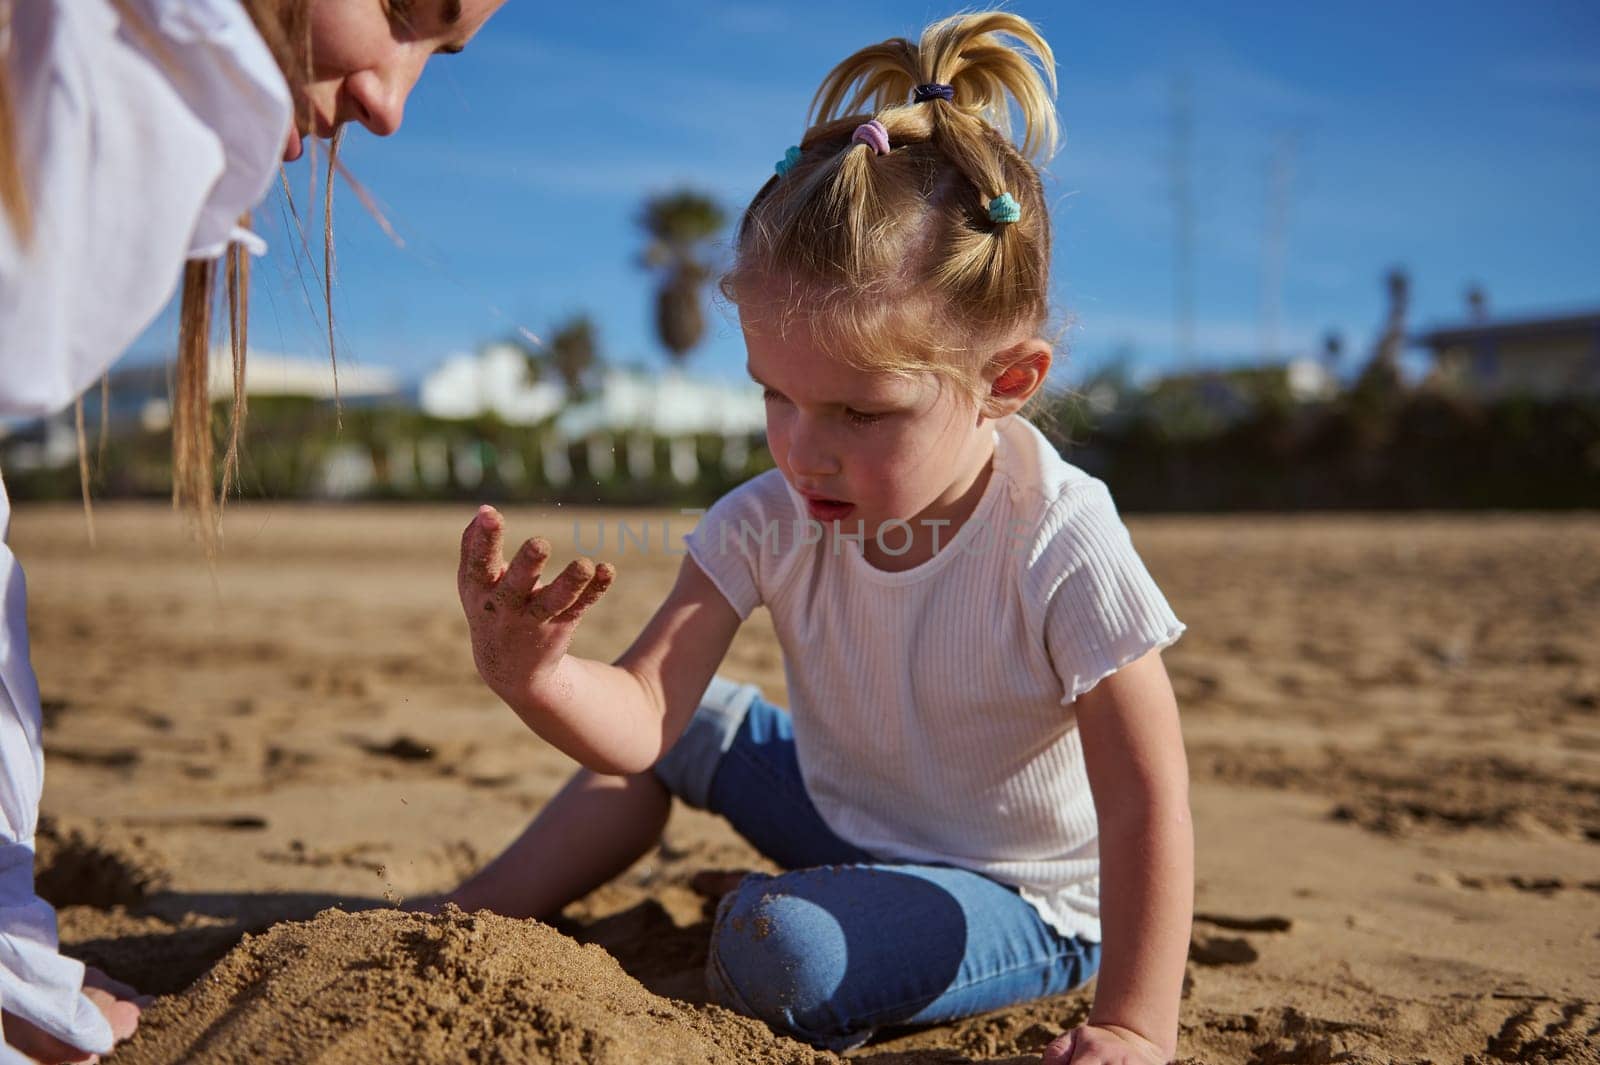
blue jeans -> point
(845, 942)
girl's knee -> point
(781, 958)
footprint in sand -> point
(1221, 950)
(51, 711)
(444, 756)
(226, 822)
(1245, 924)
(1295, 1038)
(90, 864)
(1286, 1037)
(448, 758)
(492, 780)
(359, 856)
(1193, 687)
(402, 749)
(96, 757)
(1523, 882)
(1213, 950)
(331, 682)
(1543, 1031)
(281, 764)
(151, 719)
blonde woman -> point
(135, 136)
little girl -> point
(979, 792)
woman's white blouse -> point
(144, 130)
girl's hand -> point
(521, 629)
(1104, 1044)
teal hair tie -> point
(790, 159)
(1004, 208)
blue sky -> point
(1461, 140)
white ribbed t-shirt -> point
(932, 707)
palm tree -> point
(573, 352)
(531, 355)
(1332, 351)
(1381, 376)
(679, 224)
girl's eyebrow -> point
(836, 403)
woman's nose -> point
(378, 96)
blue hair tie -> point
(932, 91)
(790, 160)
(1004, 208)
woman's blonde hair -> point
(896, 262)
(285, 26)
(13, 192)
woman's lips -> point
(828, 509)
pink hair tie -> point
(873, 135)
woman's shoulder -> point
(154, 122)
(226, 75)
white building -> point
(270, 373)
(629, 408)
(141, 395)
(1548, 357)
(1309, 380)
(665, 404)
(494, 381)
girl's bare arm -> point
(1133, 749)
(613, 719)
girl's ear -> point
(1014, 375)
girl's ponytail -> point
(950, 222)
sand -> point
(393, 986)
(1393, 724)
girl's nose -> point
(810, 455)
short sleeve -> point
(739, 540)
(1101, 609)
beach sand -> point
(1393, 725)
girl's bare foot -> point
(118, 1002)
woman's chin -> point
(294, 146)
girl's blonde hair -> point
(895, 262)
(285, 26)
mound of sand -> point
(390, 986)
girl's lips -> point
(828, 509)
